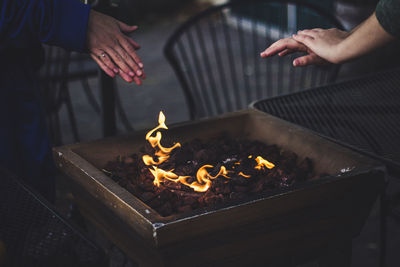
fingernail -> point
(116, 70)
(141, 65)
(131, 73)
(139, 72)
(294, 35)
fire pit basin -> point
(337, 204)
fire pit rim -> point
(158, 221)
(154, 222)
(275, 193)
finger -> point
(135, 45)
(119, 60)
(282, 45)
(288, 43)
(102, 56)
(286, 52)
(107, 70)
(307, 60)
(272, 49)
(310, 33)
(304, 39)
(133, 67)
(125, 76)
(137, 80)
(126, 28)
(132, 58)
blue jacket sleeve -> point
(55, 22)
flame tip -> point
(203, 178)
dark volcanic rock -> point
(236, 155)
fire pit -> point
(318, 210)
(202, 174)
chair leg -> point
(121, 112)
(383, 229)
(71, 114)
(90, 96)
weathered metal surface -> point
(341, 200)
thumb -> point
(126, 28)
(306, 60)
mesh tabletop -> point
(363, 114)
(34, 235)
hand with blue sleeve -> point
(74, 26)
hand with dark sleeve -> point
(74, 26)
(335, 46)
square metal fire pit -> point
(315, 212)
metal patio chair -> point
(60, 69)
(216, 54)
(55, 77)
(32, 233)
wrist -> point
(339, 52)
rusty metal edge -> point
(152, 224)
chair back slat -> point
(216, 54)
(219, 71)
(230, 61)
(187, 76)
(200, 73)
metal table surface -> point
(363, 114)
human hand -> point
(334, 45)
(287, 46)
(324, 43)
(112, 49)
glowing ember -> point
(203, 178)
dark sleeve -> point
(388, 15)
(55, 22)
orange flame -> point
(244, 175)
(203, 178)
(202, 184)
(263, 163)
(155, 141)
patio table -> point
(362, 114)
